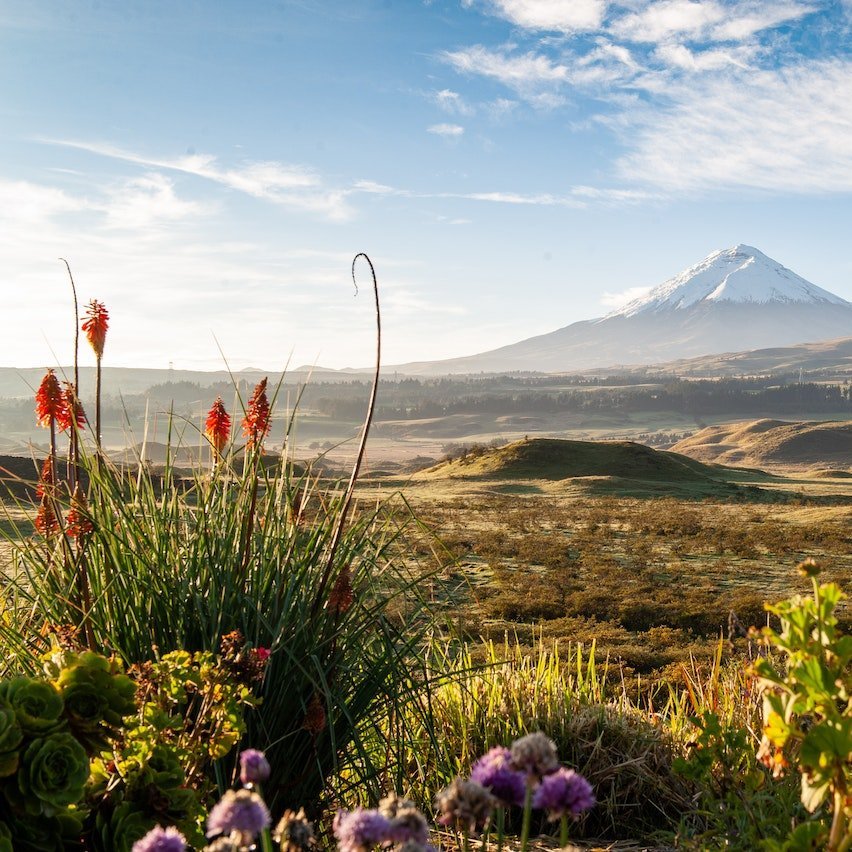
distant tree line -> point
(416, 399)
(694, 398)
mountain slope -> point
(734, 300)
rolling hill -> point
(773, 444)
(556, 459)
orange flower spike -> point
(73, 410)
(95, 326)
(50, 401)
(256, 422)
(78, 523)
(217, 427)
(45, 479)
(46, 521)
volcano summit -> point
(734, 300)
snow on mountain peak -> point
(741, 274)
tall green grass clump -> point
(139, 563)
(616, 744)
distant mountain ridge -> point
(734, 300)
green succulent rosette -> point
(97, 695)
(5, 838)
(59, 833)
(37, 704)
(52, 774)
(11, 736)
(127, 823)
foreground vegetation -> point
(155, 622)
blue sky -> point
(511, 166)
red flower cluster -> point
(217, 427)
(256, 422)
(50, 401)
(45, 479)
(46, 521)
(58, 404)
(77, 522)
(95, 326)
(72, 411)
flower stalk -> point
(95, 327)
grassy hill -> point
(773, 443)
(616, 468)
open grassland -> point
(654, 565)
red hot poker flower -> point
(95, 326)
(73, 410)
(78, 523)
(50, 401)
(46, 521)
(256, 421)
(45, 479)
(217, 427)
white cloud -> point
(293, 186)
(785, 130)
(680, 56)
(566, 16)
(450, 131)
(452, 102)
(706, 19)
(520, 72)
(500, 108)
(372, 187)
(31, 202)
(614, 301)
(746, 21)
(537, 78)
(577, 197)
(146, 201)
(662, 20)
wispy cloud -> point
(565, 16)
(24, 201)
(450, 131)
(533, 76)
(617, 300)
(783, 130)
(578, 197)
(702, 94)
(293, 186)
(518, 71)
(706, 19)
(146, 201)
(681, 57)
(452, 102)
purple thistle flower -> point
(494, 771)
(239, 811)
(360, 830)
(254, 767)
(563, 792)
(161, 840)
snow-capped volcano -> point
(735, 300)
(739, 274)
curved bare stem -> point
(371, 406)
